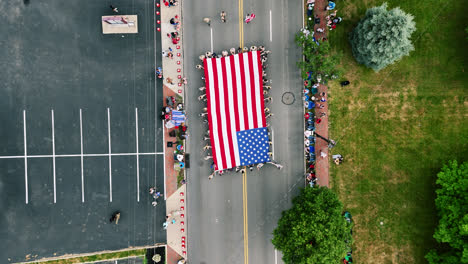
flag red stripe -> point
(252, 90)
(234, 91)
(232, 162)
(208, 98)
(260, 86)
(244, 92)
(218, 115)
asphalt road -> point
(215, 208)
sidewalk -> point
(173, 86)
(176, 232)
(322, 164)
(172, 68)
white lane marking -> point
(271, 33)
(164, 158)
(110, 156)
(137, 155)
(276, 256)
(25, 158)
(81, 156)
(211, 33)
(53, 155)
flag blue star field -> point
(234, 93)
(253, 146)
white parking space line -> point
(137, 155)
(81, 155)
(25, 158)
(53, 155)
(110, 156)
(211, 33)
(271, 32)
(276, 256)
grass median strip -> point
(99, 257)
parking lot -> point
(80, 135)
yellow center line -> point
(246, 218)
(244, 174)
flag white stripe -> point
(232, 112)
(248, 89)
(214, 119)
(240, 100)
(258, 97)
(222, 106)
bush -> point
(452, 209)
(313, 230)
(382, 37)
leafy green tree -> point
(382, 37)
(452, 209)
(313, 230)
(318, 59)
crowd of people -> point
(173, 115)
(170, 3)
(169, 52)
(204, 115)
(312, 100)
(333, 20)
(315, 102)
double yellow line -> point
(244, 174)
(241, 23)
(246, 216)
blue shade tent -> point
(178, 117)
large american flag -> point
(234, 91)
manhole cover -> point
(288, 98)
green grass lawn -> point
(397, 127)
(100, 257)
